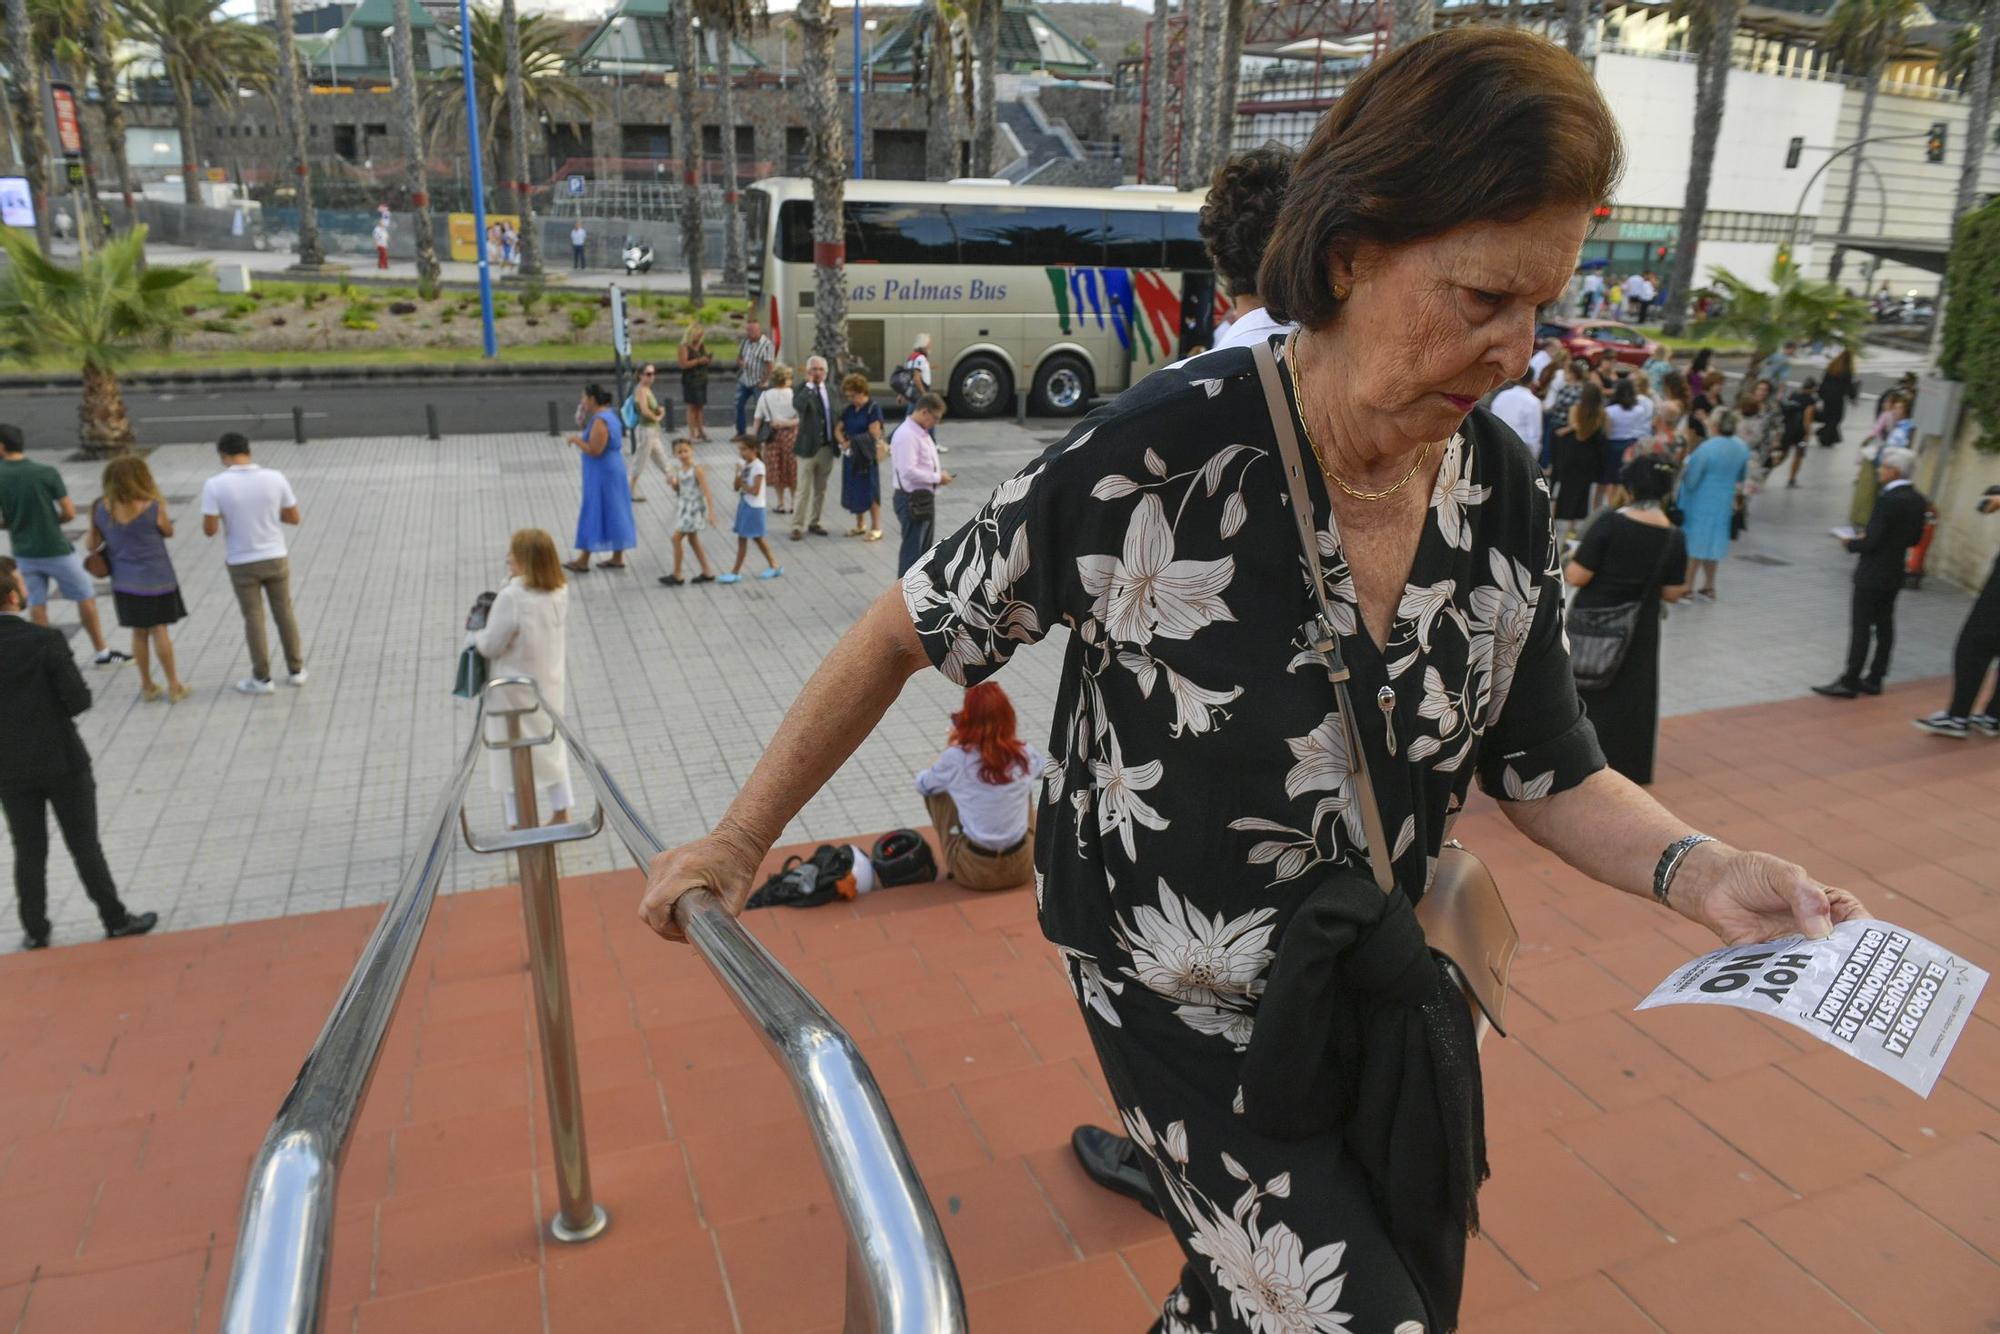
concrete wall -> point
(1967, 541)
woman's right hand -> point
(723, 865)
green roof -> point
(1029, 40)
(382, 14)
(653, 21)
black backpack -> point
(809, 882)
(903, 380)
(903, 857)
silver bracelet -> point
(1670, 863)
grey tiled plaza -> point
(228, 808)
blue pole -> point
(478, 178)
(857, 88)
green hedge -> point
(1972, 318)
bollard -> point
(431, 419)
(1020, 407)
(298, 426)
(554, 429)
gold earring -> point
(1340, 291)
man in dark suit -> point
(818, 407)
(43, 763)
(1894, 526)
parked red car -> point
(1598, 338)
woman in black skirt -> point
(1199, 845)
(1632, 554)
(1579, 456)
(130, 527)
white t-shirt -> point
(1537, 362)
(775, 406)
(1519, 408)
(921, 364)
(1634, 423)
(993, 815)
(750, 474)
(577, 236)
(1252, 328)
(247, 499)
(381, 236)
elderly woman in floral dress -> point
(1200, 815)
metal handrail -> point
(278, 1282)
(900, 1273)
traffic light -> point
(1660, 253)
(1934, 142)
(1792, 151)
(1601, 212)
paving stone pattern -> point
(1685, 1169)
(229, 809)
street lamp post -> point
(492, 348)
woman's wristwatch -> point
(1670, 864)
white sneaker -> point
(297, 678)
(250, 685)
(110, 657)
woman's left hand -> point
(1746, 897)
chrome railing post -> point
(578, 1217)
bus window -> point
(757, 240)
(1185, 250)
(1028, 234)
(1133, 240)
(899, 234)
(795, 232)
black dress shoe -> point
(135, 924)
(816, 530)
(1112, 1161)
(1871, 687)
(1836, 690)
(34, 942)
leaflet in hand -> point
(1884, 995)
(1846, 532)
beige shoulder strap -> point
(1320, 629)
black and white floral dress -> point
(1198, 786)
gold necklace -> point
(1292, 359)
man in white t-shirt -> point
(1593, 292)
(1519, 408)
(249, 506)
(1537, 363)
(579, 239)
(381, 245)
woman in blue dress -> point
(604, 521)
(1715, 472)
(860, 437)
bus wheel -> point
(981, 387)
(1062, 387)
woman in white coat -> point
(524, 636)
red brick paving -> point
(1676, 1170)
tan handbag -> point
(1462, 914)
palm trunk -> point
(416, 173)
(1156, 95)
(1203, 38)
(104, 428)
(1868, 94)
(986, 129)
(1711, 86)
(686, 72)
(1409, 20)
(184, 119)
(530, 265)
(34, 129)
(1576, 21)
(1228, 77)
(105, 70)
(732, 215)
(1978, 108)
(310, 254)
(828, 167)
(941, 138)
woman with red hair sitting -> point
(980, 794)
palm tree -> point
(1409, 20)
(985, 18)
(416, 169)
(1864, 36)
(1156, 95)
(686, 72)
(1792, 306)
(1235, 20)
(724, 19)
(1576, 21)
(932, 44)
(1974, 47)
(547, 90)
(517, 143)
(1204, 52)
(291, 89)
(26, 67)
(104, 32)
(828, 168)
(1712, 29)
(201, 47)
(93, 316)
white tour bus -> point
(1064, 293)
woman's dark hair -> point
(1241, 211)
(1626, 395)
(1843, 364)
(1674, 386)
(1701, 359)
(1647, 477)
(1471, 124)
(598, 394)
(1586, 415)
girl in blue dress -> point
(860, 438)
(1715, 472)
(604, 520)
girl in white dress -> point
(524, 635)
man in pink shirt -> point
(913, 457)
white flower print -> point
(1438, 704)
(1503, 612)
(1196, 708)
(1455, 493)
(1236, 1026)
(1187, 956)
(1324, 766)
(1119, 805)
(1146, 591)
(1425, 604)
(1087, 979)
(1533, 790)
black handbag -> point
(1600, 637)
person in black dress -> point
(1199, 822)
(1632, 555)
(1579, 448)
(1837, 388)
